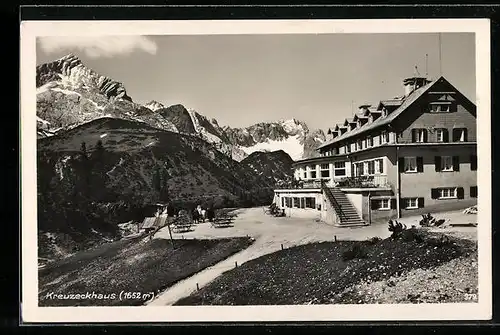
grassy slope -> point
(316, 273)
(131, 266)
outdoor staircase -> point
(346, 212)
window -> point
(282, 202)
(288, 202)
(473, 191)
(460, 135)
(312, 171)
(446, 193)
(305, 174)
(310, 202)
(359, 145)
(348, 148)
(370, 167)
(440, 108)
(410, 164)
(381, 204)
(339, 168)
(369, 142)
(384, 204)
(296, 202)
(419, 135)
(446, 163)
(411, 203)
(441, 135)
(325, 170)
(379, 166)
(359, 169)
(384, 137)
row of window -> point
(298, 202)
(369, 168)
(441, 163)
(361, 144)
(339, 170)
(420, 135)
(414, 203)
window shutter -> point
(446, 135)
(473, 191)
(414, 135)
(393, 204)
(401, 164)
(375, 204)
(456, 134)
(420, 202)
(437, 163)
(420, 164)
(473, 162)
(425, 135)
(456, 163)
(460, 192)
(381, 166)
(465, 134)
(434, 193)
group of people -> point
(198, 214)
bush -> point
(396, 228)
(412, 234)
(374, 240)
(356, 251)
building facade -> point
(408, 155)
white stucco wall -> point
(357, 201)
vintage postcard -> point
(274, 170)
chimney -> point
(413, 83)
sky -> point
(241, 80)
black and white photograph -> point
(207, 171)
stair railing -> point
(333, 201)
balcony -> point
(375, 181)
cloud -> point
(98, 46)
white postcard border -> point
(380, 312)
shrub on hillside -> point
(374, 240)
(357, 250)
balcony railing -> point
(364, 182)
(346, 182)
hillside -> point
(275, 166)
(85, 190)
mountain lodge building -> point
(408, 155)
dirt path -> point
(270, 233)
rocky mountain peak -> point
(154, 105)
(70, 73)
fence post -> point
(197, 287)
(335, 238)
(281, 246)
(235, 264)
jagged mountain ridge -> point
(70, 94)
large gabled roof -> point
(381, 121)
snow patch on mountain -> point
(292, 146)
(154, 105)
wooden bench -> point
(222, 221)
(181, 228)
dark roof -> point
(383, 120)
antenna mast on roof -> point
(440, 63)
(426, 65)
